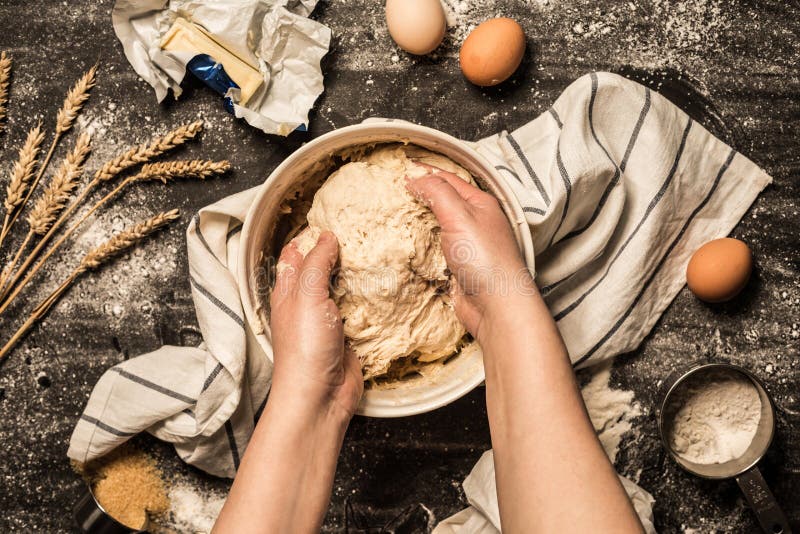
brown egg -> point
(492, 52)
(719, 270)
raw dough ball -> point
(392, 286)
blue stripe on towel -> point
(653, 203)
(527, 164)
(108, 428)
(671, 247)
(218, 303)
(152, 385)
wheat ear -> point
(53, 198)
(157, 171)
(163, 172)
(21, 175)
(73, 103)
(145, 153)
(92, 260)
(5, 76)
(169, 170)
(111, 169)
(60, 188)
(125, 239)
(22, 172)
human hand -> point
(307, 334)
(478, 245)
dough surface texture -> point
(392, 284)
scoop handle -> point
(762, 501)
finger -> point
(352, 365)
(287, 270)
(291, 259)
(465, 190)
(318, 264)
(332, 316)
(442, 198)
(429, 168)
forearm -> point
(285, 478)
(551, 471)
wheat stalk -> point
(52, 200)
(21, 175)
(157, 171)
(134, 156)
(92, 260)
(58, 191)
(22, 172)
(185, 169)
(170, 170)
(125, 239)
(144, 153)
(5, 76)
(73, 103)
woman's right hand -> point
(545, 448)
(478, 245)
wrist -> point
(308, 402)
(514, 303)
(509, 284)
(507, 320)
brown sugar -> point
(128, 486)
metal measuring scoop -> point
(755, 489)
(92, 518)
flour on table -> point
(612, 411)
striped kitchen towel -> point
(619, 186)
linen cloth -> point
(619, 186)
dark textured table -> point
(733, 65)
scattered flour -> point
(716, 419)
(685, 35)
(611, 410)
(464, 15)
(192, 512)
(654, 33)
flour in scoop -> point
(716, 417)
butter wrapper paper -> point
(275, 35)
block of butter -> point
(184, 36)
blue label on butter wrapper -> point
(211, 73)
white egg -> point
(417, 26)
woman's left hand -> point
(286, 474)
(307, 334)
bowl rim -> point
(402, 129)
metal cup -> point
(93, 519)
(755, 489)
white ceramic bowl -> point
(459, 375)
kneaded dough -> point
(392, 286)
